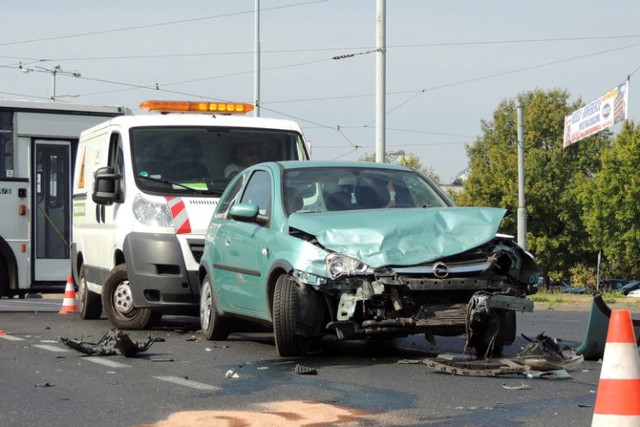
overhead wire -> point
(414, 94)
(159, 24)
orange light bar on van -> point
(196, 107)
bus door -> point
(50, 208)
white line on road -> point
(51, 348)
(11, 338)
(106, 362)
(189, 383)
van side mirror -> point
(106, 186)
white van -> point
(144, 190)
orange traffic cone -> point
(618, 398)
(69, 304)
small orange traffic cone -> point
(69, 304)
(618, 398)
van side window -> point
(116, 159)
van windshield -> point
(168, 160)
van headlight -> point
(152, 213)
(340, 265)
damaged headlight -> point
(340, 265)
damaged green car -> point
(359, 250)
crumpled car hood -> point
(401, 236)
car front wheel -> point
(285, 308)
(214, 326)
(118, 302)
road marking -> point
(11, 338)
(50, 348)
(106, 362)
(189, 383)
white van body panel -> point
(162, 254)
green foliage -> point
(583, 275)
(400, 158)
(555, 231)
(610, 205)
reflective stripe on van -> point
(180, 215)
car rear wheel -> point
(118, 302)
(89, 303)
(214, 326)
(285, 308)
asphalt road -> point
(242, 381)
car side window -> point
(258, 191)
(226, 201)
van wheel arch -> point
(119, 307)
(89, 303)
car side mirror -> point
(106, 186)
(244, 212)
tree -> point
(555, 232)
(400, 158)
(610, 205)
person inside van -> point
(148, 156)
(248, 155)
(186, 154)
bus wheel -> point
(89, 303)
(4, 279)
(118, 302)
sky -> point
(449, 64)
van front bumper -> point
(157, 274)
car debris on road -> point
(111, 343)
(541, 358)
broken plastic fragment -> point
(231, 374)
(45, 385)
(521, 386)
(304, 370)
(544, 354)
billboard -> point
(607, 110)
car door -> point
(244, 252)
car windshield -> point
(183, 159)
(345, 188)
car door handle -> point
(227, 243)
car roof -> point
(631, 284)
(308, 164)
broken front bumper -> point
(446, 319)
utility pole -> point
(57, 69)
(256, 61)
(522, 210)
(380, 80)
(54, 72)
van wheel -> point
(285, 309)
(89, 303)
(118, 302)
(214, 326)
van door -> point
(50, 210)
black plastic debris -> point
(304, 370)
(544, 354)
(45, 385)
(111, 343)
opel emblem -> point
(440, 270)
